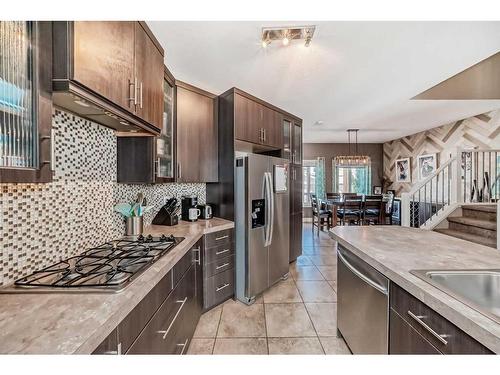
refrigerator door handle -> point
(267, 197)
(271, 208)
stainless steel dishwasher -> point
(362, 305)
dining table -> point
(333, 205)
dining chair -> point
(373, 209)
(389, 210)
(319, 214)
(351, 210)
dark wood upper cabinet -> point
(104, 59)
(197, 144)
(257, 123)
(109, 72)
(247, 120)
(149, 73)
(26, 135)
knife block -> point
(165, 218)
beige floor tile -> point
(295, 345)
(324, 317)
(323, 260)
(329, 272)
(240, 346)
(334, 345)
(303, 260)
(316, 291)
(282, 292)
(306, 273)
(201, 346)
(319, 250)
(208, 323)
(288, 320)
(240, 320)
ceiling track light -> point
(287, 35)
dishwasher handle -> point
(363, 277)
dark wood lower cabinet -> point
(165, 320)
(404, 339)
(415, 327)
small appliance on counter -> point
(206, 212)
(189, 208)
(168, 214)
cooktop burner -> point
(108, 267)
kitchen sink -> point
(479, 289)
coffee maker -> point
(188, 202)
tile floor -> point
(295, 316)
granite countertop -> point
(64, 323)
(394, 251)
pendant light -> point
(353, 158)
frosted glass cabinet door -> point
(165, 141)
(25, 101)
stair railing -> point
(472, 176)
(428, 197)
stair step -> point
(491, 242)
(484, 224)
(480, 211)
(481, 207)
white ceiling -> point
(354, 74)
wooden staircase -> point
(475, 223)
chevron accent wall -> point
(481, 131)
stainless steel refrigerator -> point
(262, 224)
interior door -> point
(257, 253)
(279, 249)
(104, 58)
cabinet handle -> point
(222, 266)
(165, 333)
(184, 346)
(198, 258)
(218, 289)
(140, 95)
(131, 84)
(418, 319)
(221, 238)
(118, 350)
(265, 136)
(157, 166)
(222, 252)
(179, 170)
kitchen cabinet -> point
(26, 135)
(415, 328)
(146, 159)
(110, 72)
(165, 320)
(165, 142)
(297, 143)
(196, 133)
(218, 268)
(404, 339)
(257, 123)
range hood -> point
(479, 82)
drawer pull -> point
(184, 346)
(221, 238)
(165, 333)
(222, 252)
(418, 319)
(218, 289)
(222, 266)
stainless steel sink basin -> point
(479, 289)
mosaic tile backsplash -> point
(42, 223)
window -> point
(308, 181)
(352, 179)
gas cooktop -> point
(106, 268)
